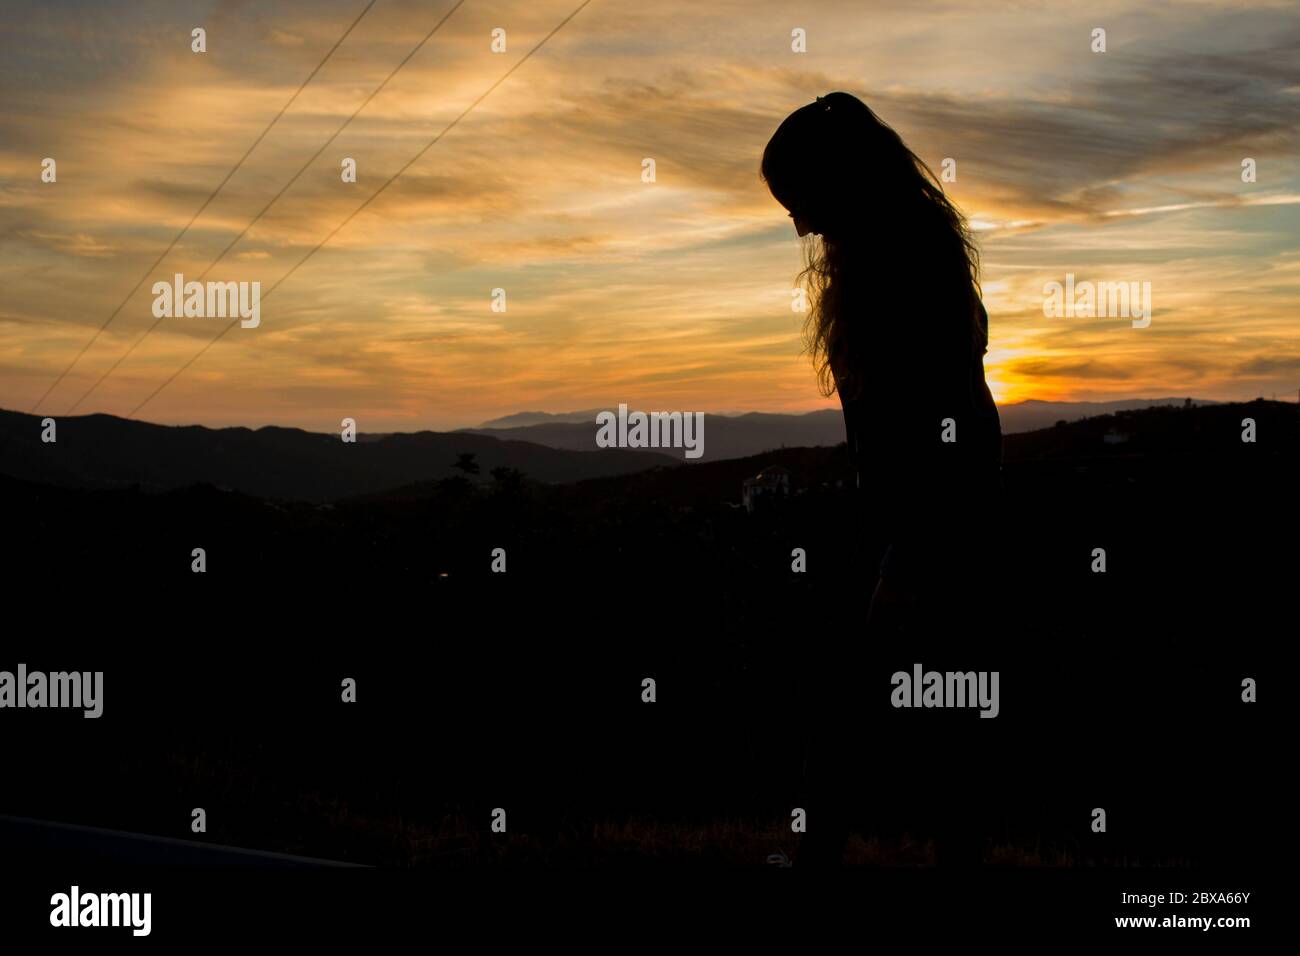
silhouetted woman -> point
(896, 327)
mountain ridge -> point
(738, 436)
(104, 451)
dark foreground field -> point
(522, 690)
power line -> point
(172, 245)
(230, 245)
(152, 395)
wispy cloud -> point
(1122, 166)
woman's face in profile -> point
(804, 223)
(807, 210)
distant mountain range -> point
(1032, 415)
(738, 436)
(102, 451)
(724, 436)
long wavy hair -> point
(881, 217)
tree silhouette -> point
(466, 463)
(508, 480)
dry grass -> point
(260, 813)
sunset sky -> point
(672, 295)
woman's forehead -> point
(787, 195)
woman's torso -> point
(923, 412)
